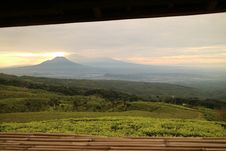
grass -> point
(14, 99)
(165, 110)
(39, 116)
(20, 92)
(139, 119)
(122, 126)
(209, 114)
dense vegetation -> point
(15, 99)
(122, 126)
(111, 108)
(118, 90)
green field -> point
(129, 123)
(121, 126)
(35, 105)
(39, 116)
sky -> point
(184, 40)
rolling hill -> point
(141, 89)
(17, 99)
(120, 90)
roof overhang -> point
(41, 12)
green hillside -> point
(51, 105)
(16, 99)
(118, 90)
(30, 104)
(142, 89)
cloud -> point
(180, 59)
(26, 58)
(52, 54)
(197, 35)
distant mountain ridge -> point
(57, 67)
(113, 63)
(109, 69)
(58, 61)
(60, 64)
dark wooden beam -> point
(40, 12)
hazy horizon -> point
(198, 40)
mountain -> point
(110, 63)
(58, 62)
(111, 69)
(119, 66)
(113, 66)
(59, 67)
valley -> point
(91, 106)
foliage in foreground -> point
(43, 116)
(122, 126)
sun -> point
(58, 54)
